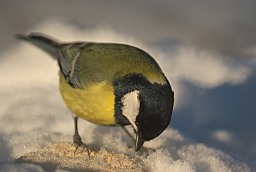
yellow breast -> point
(94, 103)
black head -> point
(147, 106)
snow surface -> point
(32, 114)
(36, 117)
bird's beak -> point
(139, 141)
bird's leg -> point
(77, 139)
(132, 139)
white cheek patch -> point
(131, 107)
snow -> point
(36, 117)
(33, 115)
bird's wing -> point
(76, 69)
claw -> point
(83, 146)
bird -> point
(110, 84)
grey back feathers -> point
(68, 58)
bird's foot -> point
(145, 151)
(77, 141)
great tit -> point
(111, 84)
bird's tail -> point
(45, 43)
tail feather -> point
(45, 43)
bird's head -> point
(146, 106)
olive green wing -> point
(77, 68)
(89, 63)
